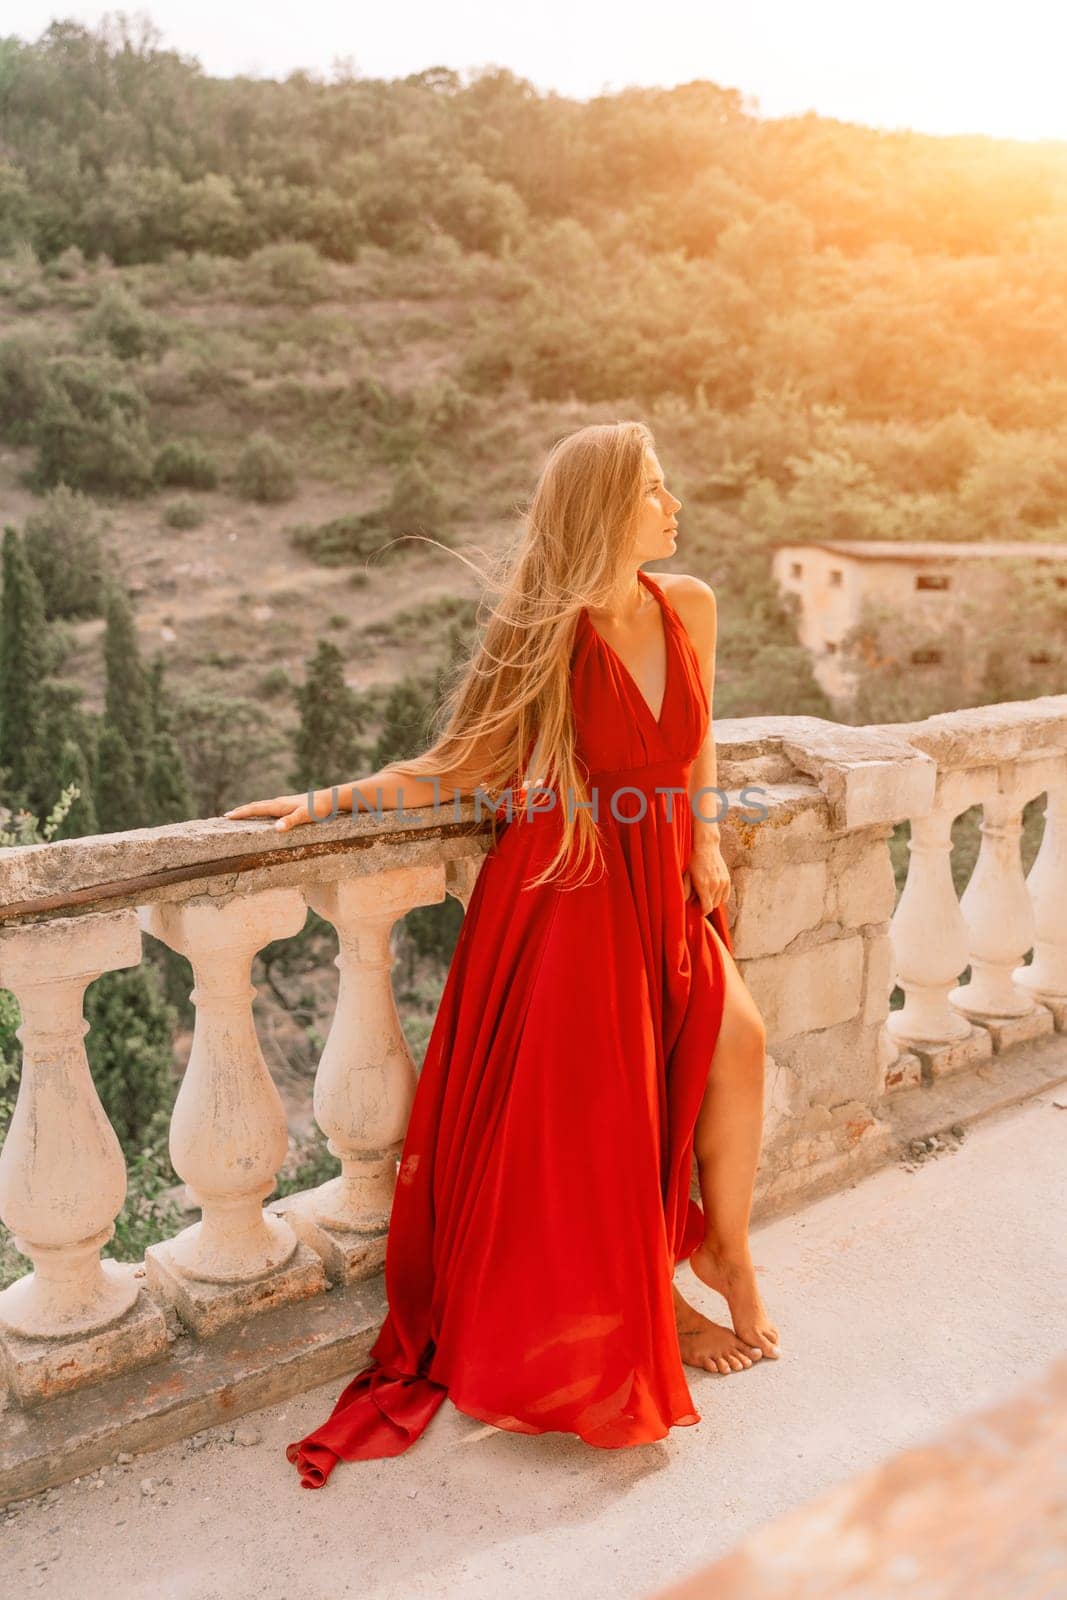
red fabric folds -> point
(380, 1413)
(543, 1194)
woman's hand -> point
(708, 874)
(290, 809)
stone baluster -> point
(929, 937)
(229, 1131)
(366, 1077)
(1000, 918)
(462, 875)
(62, 1170)
(1046, 976)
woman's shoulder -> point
(692, 598)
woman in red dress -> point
(594, 1031)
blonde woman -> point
(594, 1030)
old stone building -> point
(930, 581)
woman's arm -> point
(707, 872)
(388, 789)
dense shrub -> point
(264, 471)
(65, 548)
(289, 272)
(69, 264)
(274, 682)
(91, 430)
(353, 537)
(24, 384)
(124, 326)
(184, 464)
(183, 514)
(417, 503)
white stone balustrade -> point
(999, 758)
(818, 931)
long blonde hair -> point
(508, 715)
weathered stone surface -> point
(868, 775)
(346, 1255)
(69, 947)
(780, 1089)
(835, 1063)
(774, 907)
(200, 1384)
(39, 1369)
(978, 1510)
(1059, 1012)
(984, 734)
(812, 990)
(1008, 1031)
(205, 1308)
(877, 977)
(784, 824)
(987, 1086)
(940, 1059)
(862, 889)
(905, 1072)
(214, 856)
(824, 1149)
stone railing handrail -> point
(818, 931)
(880, 773)
(212, 855)
(866, 775)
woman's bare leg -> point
(726, 1142)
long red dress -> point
(542, 1200)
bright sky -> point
(940, 66)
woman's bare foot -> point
(708, 1344)
(735, 1279)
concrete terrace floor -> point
(903, 1300)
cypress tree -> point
(62, 722)
(118, 796)
(405, 722)
(94, 727)
(80, 820)
(158, 699)
(166, 794)
(128, 701)
(326, 743)
(22, 667)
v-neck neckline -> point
(661, 601)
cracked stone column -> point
(366, 1077)
(228, 1133)
(75, 1318)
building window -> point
(1040, 658)
(1061, 581)
(831, 647)
(932, 580)
(926, 658)
(836, 577)
(796, 569)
